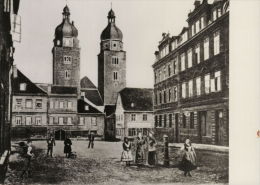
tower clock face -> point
(68, 42)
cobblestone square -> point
(102, 165)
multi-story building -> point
(8, 9)
(191, 77)
(134, 112)
(29, 107)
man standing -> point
(28, 156)
(91, 139)
(50, 143)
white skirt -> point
(126, 156)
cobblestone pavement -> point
(102, 165)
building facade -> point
(29, 107)
(111, 62)
(134, 112)
(191, 75)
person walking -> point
(50, 144)
(139, 149)
(28, 156)
(91, 139)
(151, 149)
(188, 162)
(127, 153)
(67, 147)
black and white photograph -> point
(111, 92)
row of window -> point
(61, 120)
(61, 104)
(161, 120)
(133, 117)
(87, 120)
(189, 58)
(195, 28)
(211, 84)
(28, 120)
(194, 87)
(115, 60)
(38, 104)
(166, 96)
(134, 131)
(187, 120)
(28, 103)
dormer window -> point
(164, 51)
(23, 86)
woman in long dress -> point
(67, 147)
(139, 149)
(127, 153)
(188, 162)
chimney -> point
(15, 74)
(196, 3)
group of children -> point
(143, 151)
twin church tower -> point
(111, 59)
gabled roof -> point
(81, 108)
(30, 88)
(137, 99)
(85, 82)
(63, 90)
(93, 96)
(110, 109)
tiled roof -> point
(30, 87)
(137, 99)
(82, 107)
(93, 95)
(110, 109)
(85, 82)
(63, 90)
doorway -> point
(177, 127)
(220, 128)
(202, 124)
(60, 134)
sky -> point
(142, 23)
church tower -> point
(66, 53)
(111, 62)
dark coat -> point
(67, 146)
(91, 137)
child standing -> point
(127, 153)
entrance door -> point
(177, 127)
(60, 134)
(202, 124)
(220, 128)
